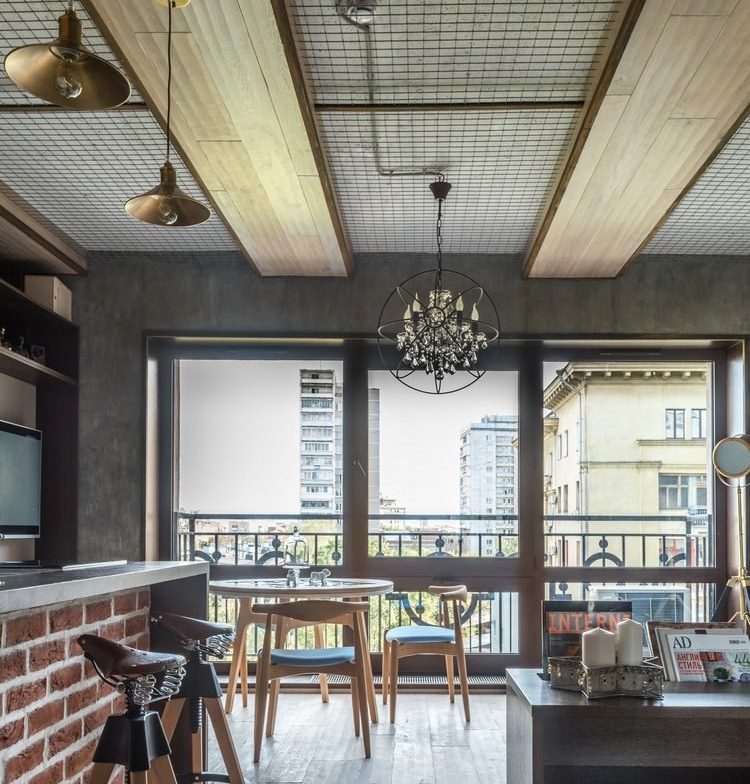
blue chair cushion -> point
(416, 633)
(315, 657)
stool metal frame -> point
(201, 694)
(136, 739)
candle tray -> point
(622, 680)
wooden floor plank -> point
(453, 764)
(429, 743)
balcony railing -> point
(490, 621)
(491, 618)
(258, 539)
(640, 541)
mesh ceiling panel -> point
(35, 21)
(501, 165)
(78, 169)
(714, 216)
(464, 50)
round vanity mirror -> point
(731, 457)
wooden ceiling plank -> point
(706, 96)
(638, 128)
(626, 23)
(643, 40)
(704, 7)
(115, 26)
(234, 168)
(607, 119)
(316, 199)
(252, 104)
(638, 200)
(232, 205)
(690, 81)
(238, 88)
(195, 98)
(268, 50)
(263, 100)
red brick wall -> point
(52, 704)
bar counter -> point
(53, 703)
(25, 589)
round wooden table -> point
(246, 592)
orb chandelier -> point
(166, 204)
(434, 321)
(63, 73)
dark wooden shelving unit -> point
(25, 369)
(56, 384)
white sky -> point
(240, 436)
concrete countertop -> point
(40, 587)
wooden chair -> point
(275, 662)
(417, 640)
(246, 617)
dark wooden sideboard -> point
(697, 733)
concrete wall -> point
(123, 296)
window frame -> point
(674, 424)
(701, 422)
(526, 575)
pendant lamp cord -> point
(170, 5)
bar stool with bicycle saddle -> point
(201, 692)
(136, 738)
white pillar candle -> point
(629, 642)
(598, 648)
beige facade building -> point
(627, 441)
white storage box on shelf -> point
(51, 292)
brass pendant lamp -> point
(63, 73)
(166, 204)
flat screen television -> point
(20, 481)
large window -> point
(250, 466)
(382, 481)
(642, 501)
(447, 470)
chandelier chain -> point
(170, 5)
(439, 237)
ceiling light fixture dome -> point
(166, 204)
(433, 319)
(63, 73)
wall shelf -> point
(56, 385)
(25, 369)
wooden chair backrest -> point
(451, 596)
(312, 610)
